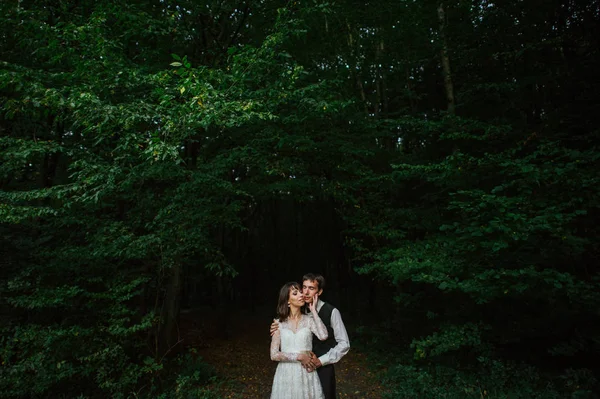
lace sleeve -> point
(317, 326)
(276, 354)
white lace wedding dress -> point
(291, 380)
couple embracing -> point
(307, 339)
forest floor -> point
(244, 368)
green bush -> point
(494, 380)
(192, 375)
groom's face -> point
(309, 289)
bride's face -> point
(296, 298)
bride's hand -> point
(306, 361)
(312, 305)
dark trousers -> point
(327, 377)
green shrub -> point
(494, 380)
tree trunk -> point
(382, 108)
(448, 86)
(169, 328)
(353, 73)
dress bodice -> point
(288, 343)
(296, 341)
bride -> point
(291, 344)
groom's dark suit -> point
(326, 373)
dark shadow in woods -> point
(283, 240)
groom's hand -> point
(315, 361)
(274, 327)
(312, 363)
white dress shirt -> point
(341, 336)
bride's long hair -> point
(283, 307)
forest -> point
(167, 165)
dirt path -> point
(246, 370)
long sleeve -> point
(317, 327)
(341, 336)
(276, 354)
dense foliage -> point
(447, 152)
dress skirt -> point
(292, 381)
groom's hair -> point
(283, 308)
(315, 277)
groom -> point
(328, 352)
